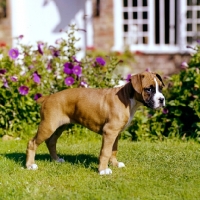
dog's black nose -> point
(161, 100)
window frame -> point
(152, 47)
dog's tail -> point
(41, 99)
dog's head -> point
(148, 87)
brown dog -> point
(105, 111)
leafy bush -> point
(180, 117)
(26, 73)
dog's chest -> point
(134, 105)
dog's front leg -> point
(106, 152)
(113, 158)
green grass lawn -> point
(159, 170)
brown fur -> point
(105, 111)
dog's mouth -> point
(154, 105)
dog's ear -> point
(159, 77)
(136, 81)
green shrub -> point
(180, 117)
(26, 73)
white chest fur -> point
(134, 105)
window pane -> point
(189, 2)
(135, 16)
(145, 15)
(125, 28)
(145, 40)
(125, 15)
(189, 40)
(145, 27)
(189, 14)
(198, 14)
(198, 27)
(144, 3)
(198, 2)
(125, 3)
(189, 27)
(134, 3)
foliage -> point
(26, 73)
(180, 117)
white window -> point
(193, 21)
(156, 26)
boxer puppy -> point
(104, 111)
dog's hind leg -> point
(51, 143)
(43, 133)
(113, 159)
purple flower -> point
(184, 65)
(23, 90)
(59, 41)
(40, 48)
(83, 84)
(54, 51)
(148, 70)
(100, 61)
(68, 68)
(13, 53)
(75, 60)
(14, 78)
(77, 70)
(36, 77)
(128, 78)
(3, 71)
(37, 96)
(31, 67)
(165, 111)
(49, 66)
(20, 37)
(5, 83)
(69, 81)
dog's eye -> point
(148, 90)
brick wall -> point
(104, 37)
(103, 25)
(5, 27)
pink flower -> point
(184, 65)
(23, 90)
(40, 48)
(14, 78)
(69, 81)
(36, 77)
(3, 71)
(68, 68)
(165, 111)
(13, 53)
(77, 70)
(37, 96)
(100, 61)
(128, 78)
(83, 84)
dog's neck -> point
(128, 91)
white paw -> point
(121, 164)
(32, 167)
(60, 160)
(105, 171)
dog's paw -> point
(60, 160)
(32, 167)
(105, 171)
(121, 164)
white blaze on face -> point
(158, 95)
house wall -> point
(104, 41)
(5, 28)
(103, 25)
